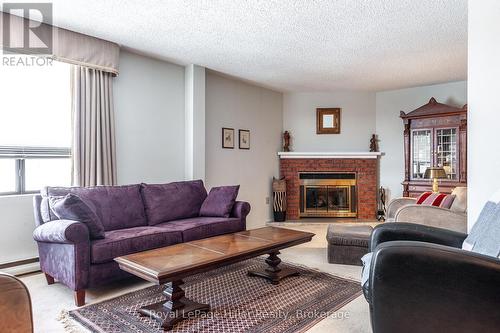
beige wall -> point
(235, 104)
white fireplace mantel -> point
(359, 155)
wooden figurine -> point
(373, 143)
(286, 140)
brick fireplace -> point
(363, 165)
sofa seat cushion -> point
(203, 227)
(126, 241)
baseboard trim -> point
(19, 263)
(21, 267)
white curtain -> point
(94, 149)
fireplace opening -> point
(328, 194)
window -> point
(35, 127)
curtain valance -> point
(67, 46)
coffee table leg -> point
(176, 308)
(274, 273)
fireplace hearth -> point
(328, 194)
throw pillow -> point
(436, 199)
(71, 207)
(484, 237)
(220, 201)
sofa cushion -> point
(484, 237)
(45, 210)
(173, 201)
(460, 203)
(220, 201)
(436, 199)
(203, 227)
(71, 207)
(126, 241)
(118, 207)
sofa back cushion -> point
(173, 201)
(118, 207)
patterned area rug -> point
(239, 303)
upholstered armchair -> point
(455, 218)
(420, 280)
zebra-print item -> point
(279, 201)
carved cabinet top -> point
(434, 109)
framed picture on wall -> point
(328, 121)
(244, 139)
(228, 138)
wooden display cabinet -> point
(435, 135)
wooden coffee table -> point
(169, 265)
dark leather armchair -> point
(422, 281)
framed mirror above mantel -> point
(435, 135)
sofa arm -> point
(62, 231)
(414, 232)
(421, 287)
(240, 209)
(432, 216)
(395, 204)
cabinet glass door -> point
(421, 155)
(446, 151)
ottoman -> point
(347, 243)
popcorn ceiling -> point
(306, 45)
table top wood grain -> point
(180, 260)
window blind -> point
(34, 152)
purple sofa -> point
(135, 218)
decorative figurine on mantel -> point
(374, 143)
(286, 141)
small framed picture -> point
(228, 138)
(328, 121)
(244, 139)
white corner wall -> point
(17, 223)
(149, 120)
(239, 105)
(357, 120)
(484, 104)
(194, 77)
(389, 126)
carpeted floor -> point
(50, 301)
(238, 303)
